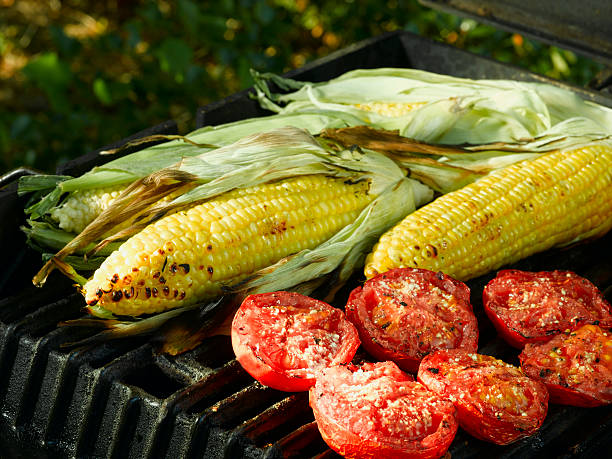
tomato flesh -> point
(282, 338)
(404, 314)
(495, 401)
(529, 307)
(576, 367)
(376, 410)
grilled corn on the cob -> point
(83, 206)
(528, 207)
(187, 257)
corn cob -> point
(188, 256)
(83, 206)
(554, 200)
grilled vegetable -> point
(495, 401)
(531, 307)
(419, 105)
(576, 366)
(557, 199)
(405, 314)
(188, 256)
(283, 338)
(376, 410)
(242, 211)
(72, 203)
(443, 109)
(83, 206)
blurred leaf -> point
(51, 75)
(244, 73)
(20, 125)
(49, 71)
(559, 62)
(174, 56)
(133, 34)
(190, 15)
(66, 45)
(194, 75)
(481, 32)
(264, 13)
(102, 92)
(150, 12)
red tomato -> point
(404, 314)
(281, 338)
(378, 411)
(576, 367)
(495, 401)
(528, 307)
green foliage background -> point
(76, 75)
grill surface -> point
(580, 25)
(121, 400)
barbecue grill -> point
(120, 399)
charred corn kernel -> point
(186, 257)
(82, 207)
(553, 200)
(390, 109)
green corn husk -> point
(49, 189)
(454, 111)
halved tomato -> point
(495, 401)
(404, 314)
(576, 366)
(376, 410)
(281, 338)
(530, 307)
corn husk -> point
(47, 191)
(454, 110)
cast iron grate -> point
(120, 399)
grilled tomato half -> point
(376, 410)
(575, 366)
(404, 314)
(530, 307)
(282, 338)
(495, 401)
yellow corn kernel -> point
(188, 256)
(553, 200)
(390, 109)
(82, 207)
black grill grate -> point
(119, 399)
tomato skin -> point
(495, 401)
(576, 367)
(282, 338)
(531, 307)
(374, 411)
(405, 313)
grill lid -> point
(582, 26)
